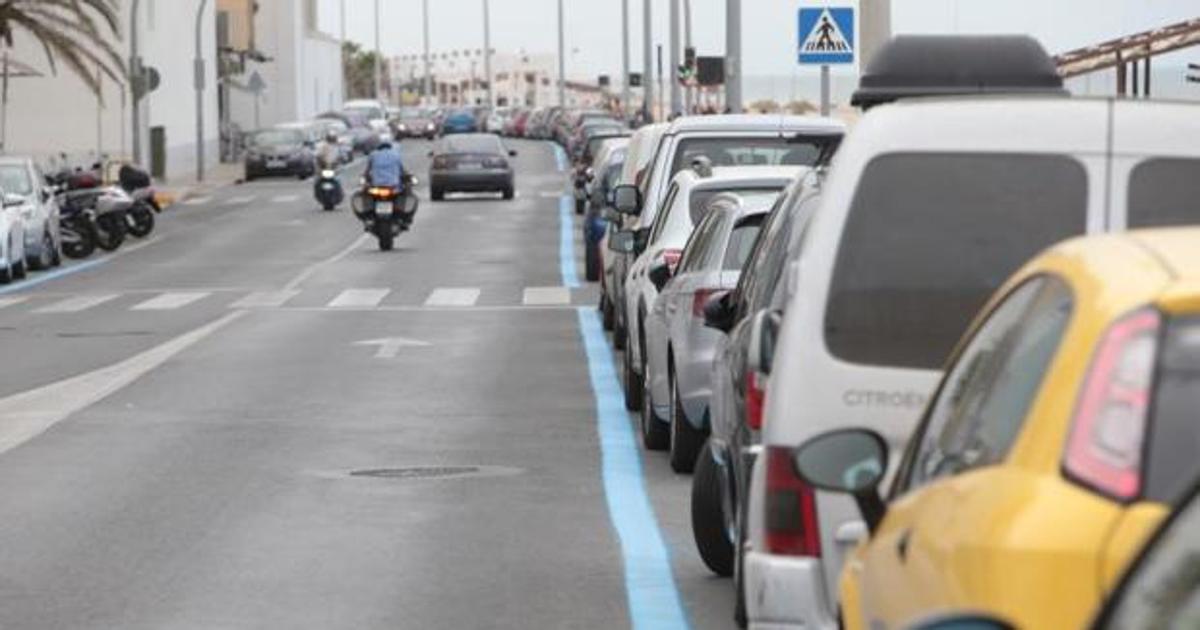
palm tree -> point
(74, 32)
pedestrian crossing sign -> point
(826, 36)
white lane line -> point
(11, 301)
(170, 301)
(239, 201)
(197, 201)
(76, 304)
(29, 414)
(265, 299)
(308, 272)
(546, 296)
(453, 297)
(359, 298)
(285, 198)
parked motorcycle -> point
(328, 189)
(139, 220)
(387, 211)
(91, 215)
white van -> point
(928, 206)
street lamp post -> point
(428, 73)
(673, 59)
(378, 58)
(733, 55)
(562, 59)
(625, 57)
(487, 54)
(647, 62)
(135, 68)
(199, 80)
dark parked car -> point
(471, 162)
(460, 121)
(280, 151)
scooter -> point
(139, 220)
(328, 189)
(387, 211)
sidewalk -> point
(179, 189)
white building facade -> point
(521, 79)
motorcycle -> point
(328, 189)
(91, 216)
(139, 220)
(387, 211)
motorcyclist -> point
(329, 154)
(385, 169)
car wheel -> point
(708, 523)
(591, 262)
(45, 257)
(580, 206)
(437, 194)
(509, 193)
(19, 270)
(633, 383)
(656, 436)
(686, 440)
(607, 316)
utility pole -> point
(428, 72)
(135, 83)
(345, 83)
(733, 55)
(673, 59)
(199, 69)
(647, 62)
(875, 18)
(689, 93)
(624, 57)
(378, 58)
(562, 59)
(487, 54)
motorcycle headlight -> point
(328, 174)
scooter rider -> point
(329, 153)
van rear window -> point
(930, 236)
(746, 151)
(1164, 192)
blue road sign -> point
(826, 36)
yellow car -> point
(1065, 427)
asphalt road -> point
(179, 425)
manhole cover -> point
(436, 472)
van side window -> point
(981, 406)
(930, 236)
(665, 215)
(1164, 192)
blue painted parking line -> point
(560, 158)
(654, 601)
(47, 276)
(566, 242)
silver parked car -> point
(678, 343)
(25, 186)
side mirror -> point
(849, 461)
(962, 622)
(718, 312)
(622, 241)
(12, 201)
(627, 199)
(659, 274)
(512, 153)
(764, 329)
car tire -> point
(6, 275)
(19, 270)
(580, 206)
(45, 257)
(712, 541)
(509, 193)
(656, 435)
(633, 382)
(686, 440)
(607, 316)
(591, 262)
(437, 194)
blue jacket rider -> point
(384, 168)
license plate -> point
(383, 207)
(276, 164)
(470, 166)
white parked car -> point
(679, 346)
(21, 177)
(12, 238)
(929, 205)
(658, 248)
(728, 140)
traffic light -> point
(635, 79)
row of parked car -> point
(923, 375)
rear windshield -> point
(741, 241)
(1172, 465)
(751, 151)
(929, 237)
(278, 137)
(471, 144)
(1164, 192)
(698, 202)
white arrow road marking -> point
(26, 415)
(389, 347)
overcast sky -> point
(594, 36)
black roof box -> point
(947, 65)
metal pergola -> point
(1126, 53)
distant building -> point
(521, 79)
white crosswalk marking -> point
(546, 296)
(170, 301)
(453, 297)
(285, 198)
(239, 201)
(76, 304)
(265, 299)
(359, 298)
(11, 301)
(197, 201)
